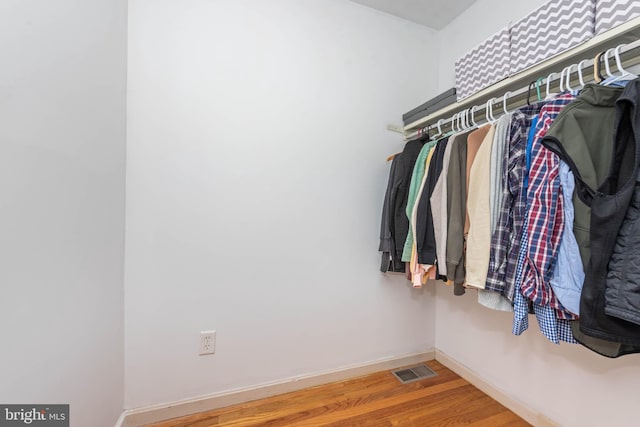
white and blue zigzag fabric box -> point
(551, 29)
(483, 66)
(611, 13)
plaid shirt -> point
(545, 214)
(505, 242)
(553, 329)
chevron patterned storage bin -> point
(551, 29)
(483, 66)
(611, 13)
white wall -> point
(567, 383)
(62, 148)
(255, 178)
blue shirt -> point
(611, 81)
(568, 275)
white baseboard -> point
(141, 416)
(120, 422)
(147, 415)
(513, 404)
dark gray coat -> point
(395, 224)
(622, 291)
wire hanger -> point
(529, 92)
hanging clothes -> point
(474, 140)
(415, 187)
(395, 221)
(387, 246)
(581, 136)
(479, 213)
(545, 212)
(542, 231)
(515, 210)
(425, 235)
(456, 212)
(420, 272)
(439, 211)
(505, 242)
(622, 290)
(487, 298)
(497, 171)
(614, 208)
(568, 276)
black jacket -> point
(387, 242)
(398, 222)
(611, 289)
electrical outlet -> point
(207, 342)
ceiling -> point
(432, 13)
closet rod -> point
(629, 56)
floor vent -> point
(415, 373)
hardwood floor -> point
(375, 400)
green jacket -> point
(414, 187)
(582, 135)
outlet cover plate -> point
(207, 342)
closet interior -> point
(192, 193)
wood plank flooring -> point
(376, 400)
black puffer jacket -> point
(622, 292)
